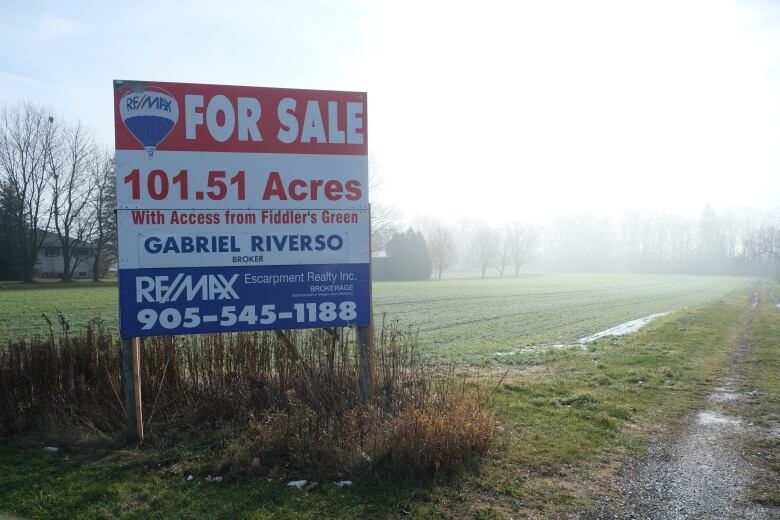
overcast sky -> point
(485, 109)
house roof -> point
(51, 239)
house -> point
(50, 263)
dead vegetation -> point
(289, 402)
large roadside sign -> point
(240, 208)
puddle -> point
(707, 417)
(622, 329)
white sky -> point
(493, 110)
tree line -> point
(725, 243)
(712, 242)
(435, 247)
(55, 180)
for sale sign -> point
(240, 208)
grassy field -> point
(462, 320)
(21, 306)
(468, 320)
(567, 418)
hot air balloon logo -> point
(149, 114)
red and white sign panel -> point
(240, 208)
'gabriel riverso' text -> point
(199, 244)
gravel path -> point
(703, 473)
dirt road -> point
(704, 472)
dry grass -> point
(291, 400)
(438, 433)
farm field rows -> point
(473, 319)
(458, 319)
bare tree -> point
(441, 243)
(103, 211)
(504, 246)
(384, 225)
(484, 247)
(520, 244)
(384, 217)
(764, 243)
(26, 132)
(68, 166)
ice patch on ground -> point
(535, 349)
(618, 330)
(707, 417)
(622, 329)
(723, 397)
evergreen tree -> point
(9, 250)
(408, 257)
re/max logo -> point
(147, 101)
(161, 289)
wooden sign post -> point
(131, 363)
(365, 334)
(364, 339)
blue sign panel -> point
(193, 300)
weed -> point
(292, 400)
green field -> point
(459, 319)
(473, 319)
(567, 420)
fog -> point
(549, 107)
(585, 107)
(606, 122)
(713, 243)
(623, 136)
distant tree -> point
(384, 225)
(9, 251)
(484, 248)
(26, 133)
(441, 244)
(69, 156)
(710, 241)
(520, 245)
(421, 257)
(764, 243)
(681, 243)
(384, 217)
(103, 210)
(408, 257)
(583, 242)
(504, 243)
